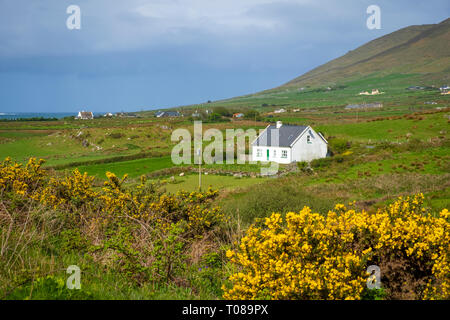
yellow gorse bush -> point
(137, 230)
(312, 256)
(77, 190)
(15, 177)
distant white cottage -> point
(84, 115)
(286, 144)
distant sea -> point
(18, 115)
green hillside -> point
(416, 49)
(412, 56)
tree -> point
(223, 111)
(214, 117)
(252, 115)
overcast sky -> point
(147, 54)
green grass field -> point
(191, 182)
(431, 126)
(134, 168)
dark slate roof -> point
(287, 135)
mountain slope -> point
(415, 49)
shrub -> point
(214, 117)
(252, 115)
(339, 145)
(321, 163)
(14, 177)
(223, 111)
(302, 165)
(339, 159)
(313, 256)
(138, 231)
(116, 135)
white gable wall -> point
(304, 151)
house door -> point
(267, 154)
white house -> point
(85, 115)
(286, 143)
(374, 92)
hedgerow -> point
(138, 231)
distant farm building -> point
(414, 88)
(280, 110)
(286, 144)
(126, 115)
(238, 115)
(85, 115)
(374, 92)
(445, 89)
(364, 106)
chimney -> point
(279, 124)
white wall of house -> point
(307, 149)
(276, 154)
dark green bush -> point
(338, 145)
(321, 163)
(302, 165)
(116, 135)
(223, 111)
